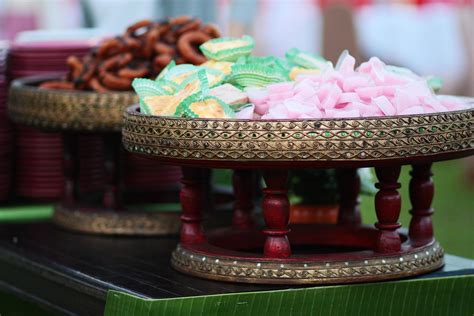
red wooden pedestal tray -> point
(342, 253)
(78, 112)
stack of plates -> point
(39, 169)
(6, 131)
(40, 58)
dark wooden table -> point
(70, 273)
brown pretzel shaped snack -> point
(132, 72)
(192, 25)
(161, 61)
(117, 61)
(162, 48)
(75, 67)
(59, 84)
(178, 20)
(131, 44)
(113, 82)
(150, 40)
(134, 29)
(180, 60)
(95, 84)
(211, 30)
(110, 47)
(170, 37)
(187, 43)
(143, 50)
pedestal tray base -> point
(209, 260)
(130, 221)
(117, 222)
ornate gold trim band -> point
(65, 109)
(222, 268)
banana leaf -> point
(435, 296)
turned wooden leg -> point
(348, 183)
(243, 184)
(421, 196)
(70, 164)
(112, 196)
(276, 214)
(387, 207)
(191, 197)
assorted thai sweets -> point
(234, 84)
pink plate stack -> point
(6, 131)
(41, 58)
(39, 170)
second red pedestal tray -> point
(279, 253)
(73, 113)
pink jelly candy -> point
(418, 88)
(452, 103)
(389, 91)
(384, 105)
(280, 97)
(362, 107)
(368, 93)
(246, 113)
(373, 89)
(395, 79)
(261, 108)
(295, 109)
(433, 103)
(257, 95)
(305, 94)
(332, 113)
(316, 113)
(417, 109)
(352, 82)
(403, 100)
(278, 111)
(305, 85)
(329, 95)
(368, 66)
(333, 76)
(315, 78)
(345, 64)
(347, 97)
(280, 87)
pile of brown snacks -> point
(143, 51)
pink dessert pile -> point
(373, 89)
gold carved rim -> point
(340, 140)
(373, 268)
(118, 222)
(65, 109)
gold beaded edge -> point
(220, 268)
(118, 223)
